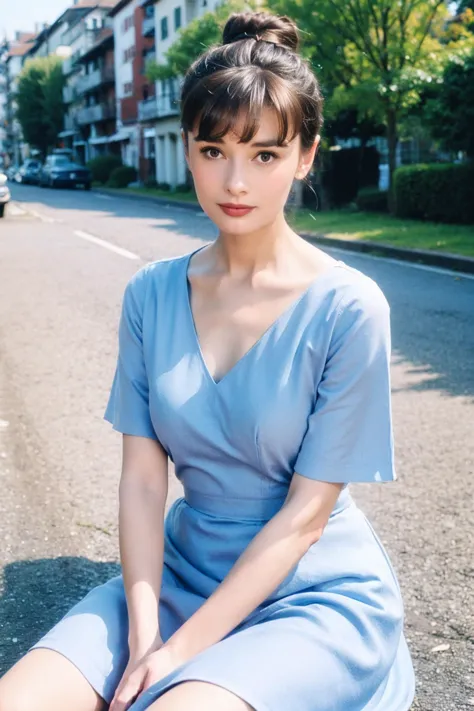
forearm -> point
(265, 563)
(141, 538)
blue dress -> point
(311, 396)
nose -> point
(235, 181)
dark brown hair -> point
(256, 66)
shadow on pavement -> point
(37, 593)
(192, 223)
(432, 313)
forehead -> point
(267, 131)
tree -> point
(40, 102)
(379, 53)
(193, 39)
(450, 112)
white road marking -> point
(103, 197)
(106, 245)
(402, 262)
(43, 218)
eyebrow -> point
(269, 143)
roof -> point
(19, 50)
(26, 36)
(71, 11)
(93, 3)
(119, 6)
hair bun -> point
(279, 29)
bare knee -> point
(199, 696)
(44, 680)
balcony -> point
(69, 94)
(158, 107)
(70, 121)
(99, 112)
(89, 82)
(147, 109)
(68, 66)
(148, 27)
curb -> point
(453, 262)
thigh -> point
(199, 696)
(44, 680)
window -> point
(177, 18)
(149, 11)
(128, 88)
(129, 54)
(127, 23)
(164, 28)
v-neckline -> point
(285, 313)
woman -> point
(260, 366)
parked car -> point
(59, 170)
(4, 193)
(30, 171)
(13, 173)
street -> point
(65, 257)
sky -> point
(22, 14)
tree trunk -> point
(392, 141)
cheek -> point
(275, 181)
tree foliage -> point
(375, 55)
(40, 102)
(194, 39)
(450, 112)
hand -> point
(141, 674)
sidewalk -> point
(445, 260)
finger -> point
(128, 693)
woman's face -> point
(260, 176)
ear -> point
(307, 159)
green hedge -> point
(122, 176)
(102, 167)
(372, 200)
(435, 192)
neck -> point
(244, 254)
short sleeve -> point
(128, 406)
(349, 436)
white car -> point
(4, 193)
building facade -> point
(127, 136)
(96, 118)
(170, 17)
(15, 150)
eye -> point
(207, 150)
(268, 153)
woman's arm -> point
(265, 563)
(142, 498)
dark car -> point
(4, 193)
(29, 172)
(60, 171)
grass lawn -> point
(154, 192)
(383, 229)
(365, 226)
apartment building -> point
(170, 16)
(3, 103)
(127, 136)
(84, 29)
(96, 88)
(15, 52)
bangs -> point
(228, 95)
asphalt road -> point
(65, 257)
